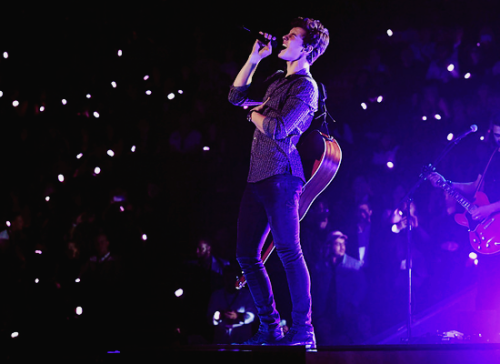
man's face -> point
(294, 45)
(496, 134)
(339, 246)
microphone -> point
(472, 129)
(261, 37)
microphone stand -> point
(407, 201)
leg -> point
(253, 229)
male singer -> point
(275, 180)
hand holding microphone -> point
(263, 46)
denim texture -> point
(273, 204)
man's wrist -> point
(249, 115)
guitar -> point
(321, 157)
(484, 235)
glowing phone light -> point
(97, 170)
(79, 155)
(42, 108)
(120, 53)
(171, 96)
(5, 55)
(37, 280)
(450, 67)
(64, 101)
(122, 209)
(424, 118)
(144, 237)
(38, 251)
(77, 280)
(133, 149)
(1, 93)
(47, 198)
(179, 292)
(481, 137)
(60, 178)
(180, 92)
(79, 310)
(14, 334)
(473, 255)
(148, 92)
(96, 114)
(113, 84)
(467, 76)
(390, 165)
(395, 229)
(380, 99)
(146, 78)
(364, 106)
(206, 148)
(88, 96)
(7, 223)
(390, 33)
(437, 117)
(450, 137)
(111, 153)
(15, 103)
(476, 261)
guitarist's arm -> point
(468, 188)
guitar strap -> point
(485, 169)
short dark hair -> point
(317, 36)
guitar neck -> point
(465, 203)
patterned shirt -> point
(293, 100)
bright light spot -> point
(206, 148)
(450, 67)
(400, 213)
(113, 84)
(60, 178)
(122, 209)
(146, 77)
(77, 280)
(363, 105)
(42, 108)
(450, 137)
(133, 149)
(481, 137)
(111, 153)
(120, 53)
(390, 33)
(467, 76)
(179, 292)
(1, 93)
(390, 165)
(96, 114)
(171, 96)
(7, 223)
(5, 55)
(38, 251)
(97, 170)
(47, 198)
(144, 237)
(79, 310)
(473, 255)
(437, 117)
(180, 92)
(37, 280)
(394, 228)
(478, 44)
(380, 99)
(15, 103)
(476, 261)
(424, 118)
(217, 315)
(245, 107)
(88, 96)
(14, 334)
(113, 352)
(148, 92)
(64, 101)
(79, 155)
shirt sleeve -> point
(299, 106)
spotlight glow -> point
(473, 255)
(60, 178)
(122, 209)
(15, 103)
(179, 292)
(171, 96)
(450, 137)
(111, 153)
(467, 76)
(364, 106)
(245, 107)
(390, 33)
